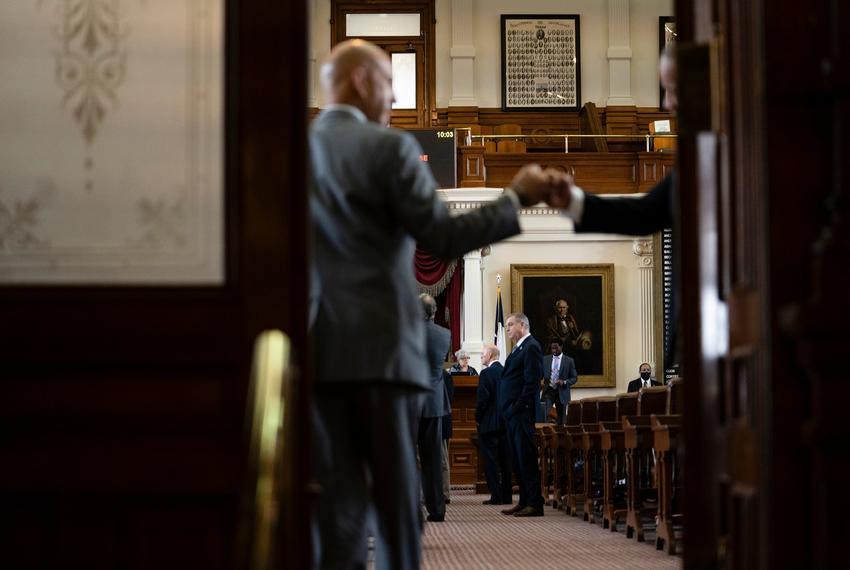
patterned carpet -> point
(477, 536)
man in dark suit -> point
(371, 201)
(559, 373)
(492, 437)
(518, 401)
(430, 438)
(645, 381)
(648, 214)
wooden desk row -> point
(609, 440)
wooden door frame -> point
(427, 115)
(158, 342)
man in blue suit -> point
(559, 373)
(518, 400)
(492, 438)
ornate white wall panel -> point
(111, 138)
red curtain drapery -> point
(432, 274)
(441, 280)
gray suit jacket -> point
(437, 345)
(371, 201)
(567, 373)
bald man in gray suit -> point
(371, 201)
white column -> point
(643, 249)
(619, 54)
(472, 335)
(463, 55)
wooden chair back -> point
(676, 398)
(589, 411)
(626, 405)
(510, 146)
(508, 129)
(606, 409)
(652, 400)
(574, 413)
(591, 124)
(489, 145)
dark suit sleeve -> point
(634, 386)
(571, 374)
(482, 396)
(630, 216)
(531, 374)
(424, 216)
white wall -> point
(644, 36)
(594, 45)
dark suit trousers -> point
(551, 396)
(430, 462)
(524, 456)
(495, 451)
(365, 461)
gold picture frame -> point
(587, 328)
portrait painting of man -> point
(574, 304)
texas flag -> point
(499, 334)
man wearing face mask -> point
(645, 381)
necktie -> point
(646, 383)
(556, 367)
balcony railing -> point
(648, 137)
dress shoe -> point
(448, 501)
(490, 502)
(513, 510)
(436, 518)
(530, 512)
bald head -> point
(490, 354)
(359, 73)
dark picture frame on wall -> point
(585, 325)
(541, 62)
(666, 35)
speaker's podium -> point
(463, 454)
(439, 151)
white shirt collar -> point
(351, 109)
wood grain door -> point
(724, 283)
(123, 408)
(763, 200)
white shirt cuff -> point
(576, 209)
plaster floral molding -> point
(18, 223)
